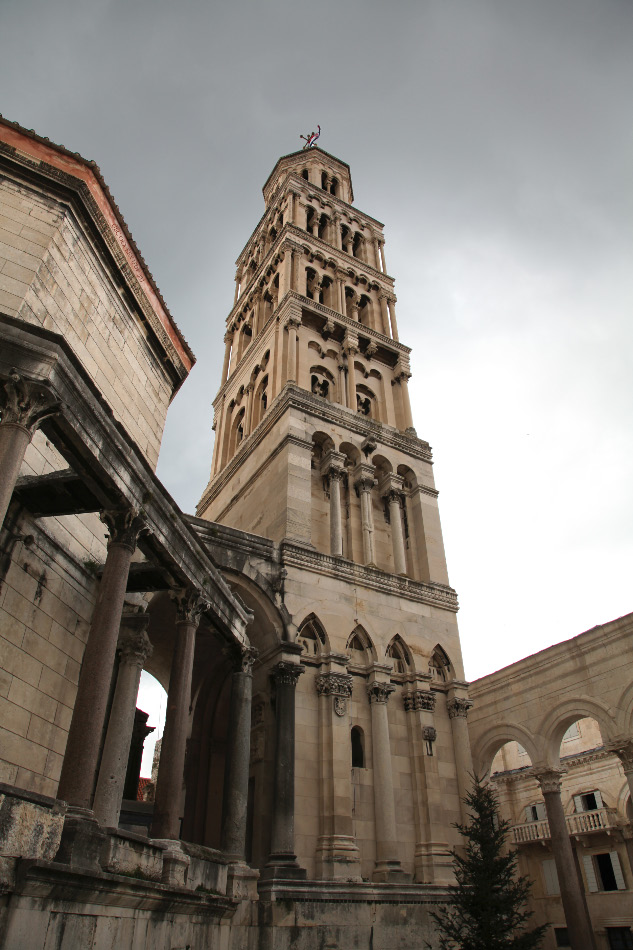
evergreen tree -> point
(487, 908)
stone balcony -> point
(602, 819)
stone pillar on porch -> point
(388, 867)
(23, 406)
(337, 854)
(282, 862)
(572, 891)
(241, 878)
(134, 648)
(80, 843)
(391, 489)
(168, 800)
(433, 858)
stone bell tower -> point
(316, 451)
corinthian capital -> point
(25, 403)
(458, 707)
(380, 692)
(549, 779)
(125, 525)
(624, 751)
(190, 605)
(287, 674)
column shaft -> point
(14, 440)
(351, 380)
(116, 750)
(336, 534)
(572, 892)
(367, 521)
(387, 861)
(397, 539)
(406, 402)
(166, 823)
(283, 826)
(228, 339)
(237, 767)
(291, 374)
(81, 758)
(458, 711)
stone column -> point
(237, 288)
(381, 245)
(292, 324)
(391, 304)
(387, 862)
(342, 383)
(364, 483)
(291, 208)
(350, 348)
(333, 468)
(81, 759)
(248, 409)
(458, 707)
(433, 859)
(282, 862)
(228, 340)
(624, 751)
(140, 732)
(572, 891)
(376, 245)
(337, 854)
(402, 376)
(238, 760)
(384, 315)
(391, 489)
(23, 406)
(134, 648)
(336, 230)
(166, 823)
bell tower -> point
(316, 451)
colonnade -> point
(92, 779)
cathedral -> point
(316, 750)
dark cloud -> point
(493, 138)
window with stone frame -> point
(603, 872)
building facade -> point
(554, 732)
(315, 748)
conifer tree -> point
(487, 908)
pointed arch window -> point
(311, 636)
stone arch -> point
(488, 743)
(560, 717)
(323, 383)
(360, 646)
(399, 652)
(351, 451)
(625, 706)
(270, 624)
(312, 636)
(382, 465)
(261, 400)
(440, 666)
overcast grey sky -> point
(494, 140)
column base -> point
(242, 882)
(433, 864)
(338, 859)
(82, 840)
(175, 862)
(390, 872)
(283, 867)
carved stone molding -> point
(458, 708)
(549, 779)
(25, 403)
(125, 525)
(248, 655)
(134, 644)
(287, 674)
(380, 692)
(420, 699)
(190, 605)
(337, 685)
(429, 733)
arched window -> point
(440, 665)
(304, 174)
(334, 187)
(365, 401)
(323, 180)
(324, 222)
(357, 245)
(311, 636)
(398, 652)
(358, 748)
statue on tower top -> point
(311, 139)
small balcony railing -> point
(585, 822)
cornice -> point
(293, 396)
(371, 578)
(134, 273)
(316, 150)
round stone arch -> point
(560, 717)
(271, 625)
(486, 745)
(625, 708)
